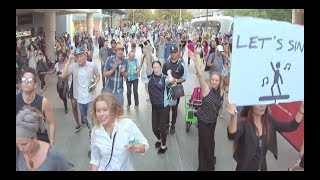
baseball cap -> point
(79, 50)
(119, 46)
(174, 49)
(219, 48)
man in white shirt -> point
(83, 88)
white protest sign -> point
(267, 62)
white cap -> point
(219, 48)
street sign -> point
(267, 62)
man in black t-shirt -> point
(179, 76)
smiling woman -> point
(112, 131)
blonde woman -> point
(113, 137)
(226, 67)
(198, 51)
(146, 66)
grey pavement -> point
(182, 154)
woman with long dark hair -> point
(255, 133)
(158, 90)
(62, 84)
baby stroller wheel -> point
(188, 124)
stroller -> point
(192, 104)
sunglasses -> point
(27, 80)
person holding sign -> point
(207, 117)
(255, 133)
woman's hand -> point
(137, 148)
(302, 108)
(191, 55)
(231, 108)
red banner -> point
(286, 112)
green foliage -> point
(274, 14)
(174, 14)
(140, 15)
(161, 15)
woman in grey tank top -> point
(33, 154)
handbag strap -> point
(114, 137)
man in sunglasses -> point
(28, 97)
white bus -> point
(221, 24)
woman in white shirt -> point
(113, 137)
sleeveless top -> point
(37, 103)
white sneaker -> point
(136, 107)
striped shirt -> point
(209, 109)
(115, 81)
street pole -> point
(171, 22)
(133, 16)
(207, 21)
(180, 17)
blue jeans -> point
(84, 108)
(118, 96)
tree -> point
(165, 15)
(274, 14)
(140, 15)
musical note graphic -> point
(266, 82)
(288, 64)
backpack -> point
(212, 59)
(196, 98)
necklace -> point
(30, 160)
(29, 101)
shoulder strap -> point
(213, 56)
(114, 137)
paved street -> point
(182, 154)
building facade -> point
(115, 19)
(203, 12)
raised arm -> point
(65, 71)
(203, 84)
(272, 66)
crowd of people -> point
(131, 57)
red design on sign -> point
(286, 112)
